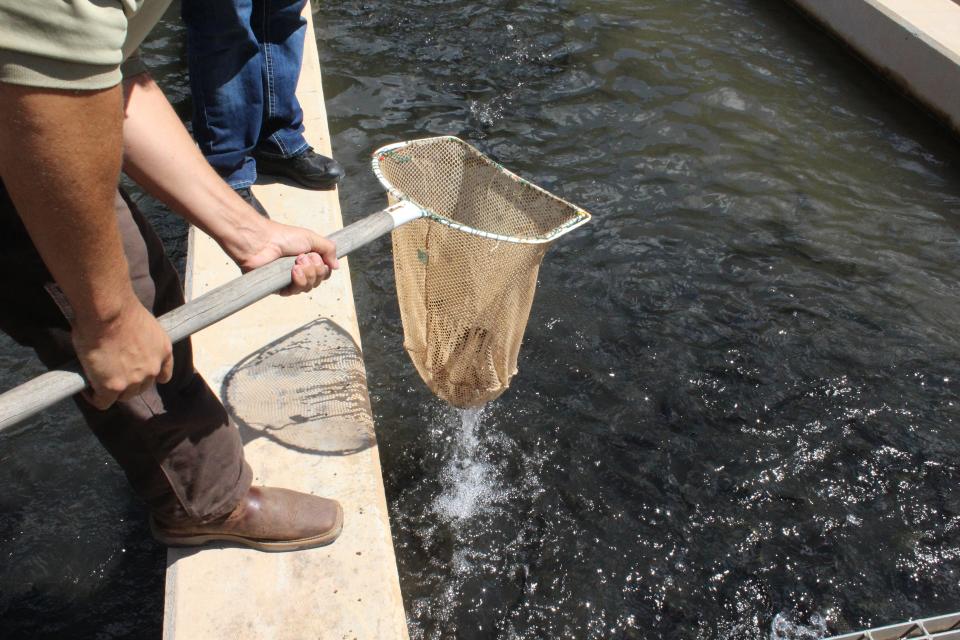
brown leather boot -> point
(267, 518)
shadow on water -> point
(78, 558)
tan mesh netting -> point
(465, 298)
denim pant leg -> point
(226, 80)
(280, 29)
(175, 442)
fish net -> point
(467, 272)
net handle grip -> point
(51, 387)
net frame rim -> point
(580, 216)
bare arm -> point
(60, 160)
(160, 156)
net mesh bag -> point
(467, 272)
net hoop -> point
(581, 216)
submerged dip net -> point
(466, 273)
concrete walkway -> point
(291, 372)
(916, 43)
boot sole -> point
(260, 545)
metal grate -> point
(945, 627)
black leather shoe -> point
(247, 194)
(309, 168)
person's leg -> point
(280, 28)
(225, 64)
(175, 442)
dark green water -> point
(737, 411)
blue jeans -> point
(244, 59)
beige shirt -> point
(73, 44)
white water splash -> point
(469, 481)
(784, 627)
(487, 113)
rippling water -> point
(736, 412)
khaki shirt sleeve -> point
(72, 44)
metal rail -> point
(945, 627)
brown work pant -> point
(175, 442)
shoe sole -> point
(318, 185)
(260, 545)
(326, 185)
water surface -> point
(736, 409)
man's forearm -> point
(161, 157)
(60, 155)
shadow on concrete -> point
(306, 391)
